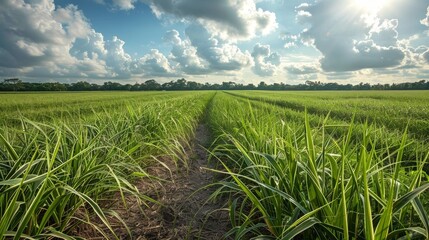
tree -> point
(150, 85)
(80, 86)
(15, 83)
(193, 85)
(262, 85)
(179, 84)
(250, 86)
(228, 85)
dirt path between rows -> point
(184, 212)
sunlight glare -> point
(370, 6)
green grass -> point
(301, 165)
(53, 175)
(289, 178)
(63, 106)
(393, 109)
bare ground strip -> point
(184, 212)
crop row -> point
(68, 106)
(391, 109)
(296, 165)
(288, 178)
(53, 175)
(337, 128)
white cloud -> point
(118, 4)
(92, 44)
(73, 21)
(266, 62)
(221, 56)
(350, 40)
(339, 75)
(414, 57)
(32, 36)
(30, 48)
(92, 66)
(425, 21)
(289, 45)
(302, 70)
(124, 4)
(426, 56)
(290, 40)
(299, 69)
(59, 42)
(302, 16)
(153, 64)
(199, 53)
(385, 34)
(226, 19)
(41, 40)
(185, 54)
(116, 58)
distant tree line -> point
(14, 84)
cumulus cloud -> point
(153, 64)
(385, 34)
(291, 40)
(426, 56)
(266, 62)
(116, 57)
(339, 75)
(425, 21)
(118, 4)
(197, 52)
(73, 21)
(42, 40)
(301, 69)
(220, 55)
(124, 4)
(226, 19)
(414, 56)
(301, 15)
(91, 45)
(35, 33)
(185, 54)
(350, 40)
(38, 40)
(117, 63)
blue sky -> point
(246, 41)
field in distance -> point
(319, 164)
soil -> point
(184, 211)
